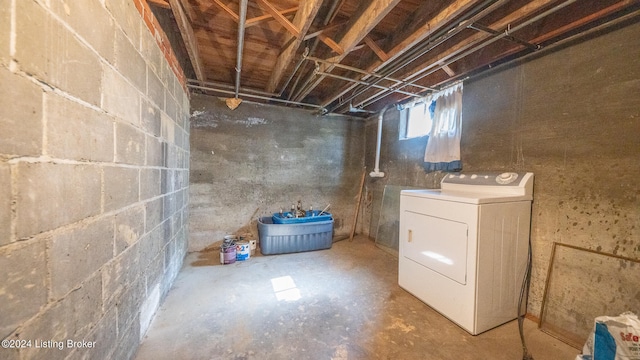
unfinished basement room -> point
(320, 179)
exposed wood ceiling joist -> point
(258, 19)
(363, 22)
(188, 37)
(437, 60)
(161, 3)
(424, 26)
(228, 10)
(376, 49)
(279, 17)
(364, 50)
(302, 21)
(510, 23)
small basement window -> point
(416, 118)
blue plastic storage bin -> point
(292, 238)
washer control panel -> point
(507, 178)
(484, 179)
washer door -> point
(438, 244)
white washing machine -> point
(464, 247)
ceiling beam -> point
(191, 15)
(320, 34)
(160, 3)
(190, 42)
(367, 19)
(448, 70)
(302, 20)
(451, 52)
(621, 5)
(256, 20)
(279, 17)
(541, 37)
(424, 27)
(224, 7)
(376, 49)
(249, 22)
(317, 33)
(430, 26)
(330, 43)
(370, 14)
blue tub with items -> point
(296, 236)
(310, 216)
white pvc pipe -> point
(376, 171)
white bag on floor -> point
(613, 338)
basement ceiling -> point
(352, 56)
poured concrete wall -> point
(572, 117)
(94, 175)
(254, 160)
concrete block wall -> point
(94, 169)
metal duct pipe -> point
(364, 72)
(307, 84)
(440, 37)
(295, 84)
(243, 17)
(227, 86)
(465, 52)
(255, 96)
(295, 70)
(567, 40)
(488, 30)
(364, 83)
(478, 12)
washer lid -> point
(481, 188)
(465, 197)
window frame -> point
(406, 117)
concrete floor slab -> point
(341, 303)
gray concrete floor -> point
(341, 303)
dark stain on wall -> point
(258, 159)
(571, 116)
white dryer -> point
(464, 247)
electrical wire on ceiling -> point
(444, 34)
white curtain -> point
(443, 146)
